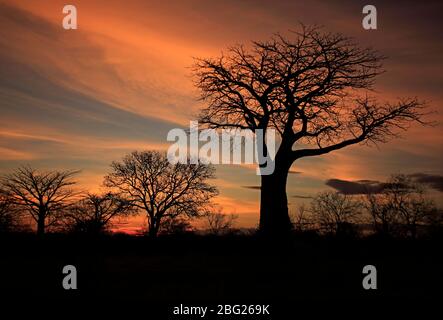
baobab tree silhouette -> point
(43, 195)
(313, 90)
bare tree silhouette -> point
(302, 219)
(312, 90)
(402, 207)
(335, 212)
(93, 213)
(384, 218)
(161, 189)
(8, 213)
(219, 223)
(176, 226)
(43, 195)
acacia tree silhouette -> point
(312, 90)
(161, 189)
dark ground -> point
(305, 274)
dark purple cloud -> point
(355, 187)
(434, 181)
(252, 187)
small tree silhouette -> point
(176, 226)
(335, 212)
(401, 207)
(161, 189)
(9, 215)
(219, 223)
(302, 219)
(43, 195)
(93, 213)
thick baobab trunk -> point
(153, 227)
(274, 217)
(41, 224)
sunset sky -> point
(79, 99)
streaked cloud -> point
(355, 187)
(433, 181)
(252, 187)
(84, 98)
